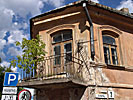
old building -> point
(89, 53)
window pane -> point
(68, 57)
(67, 47)
(57, 52)
(106, 59)
(68, 51)
(107, 55)
(113, 50)
(57, 38)
(114, 56)
(67, 35)
(108, 40)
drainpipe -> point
(84, 4)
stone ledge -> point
(113, 85)
(52, 82)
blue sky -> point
(15, 15)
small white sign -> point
(111, 94)
(101, 96)
(8, 97)
(9, 90)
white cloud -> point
(25, 25)
(2, 55)
(14, 69)
(22, 7)
(5, 63)
(14, 51)
(126, 4)
(5, 18)
(2, 43)
(40, 4)
(10, 9)
(97, 1)
(2, 34)
(16, 35)
(56, 3)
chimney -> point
(125, 10)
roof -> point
(129, 15)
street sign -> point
(24, 95)
(101, 96)
(9, 90)
(111, 94)
(8, 97)
(11, 79)
(105, 95)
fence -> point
(56, 67)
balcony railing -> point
(56, 67)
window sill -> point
(117, 67)
(110, 66)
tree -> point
(2, 73)
(33, 54)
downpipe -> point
(84, 4)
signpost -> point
(10, 90)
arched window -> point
(62, 44)
(110, 50)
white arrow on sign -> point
(9, 90)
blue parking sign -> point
(11, 79)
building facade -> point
(89, 53)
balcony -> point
(54, 70)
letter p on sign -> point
(11, 79)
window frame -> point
(58, 33)
(110, 46)
(62, 44)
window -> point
(62, 44)
(61, 36)
(110, 50)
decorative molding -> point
(110, 28)
(56, 18)
(60, 27)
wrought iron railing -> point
(56, 67)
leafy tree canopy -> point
(33, 54)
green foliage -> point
(33, 54)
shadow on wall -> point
(74, 93)
(83, 26)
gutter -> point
(84, 4)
